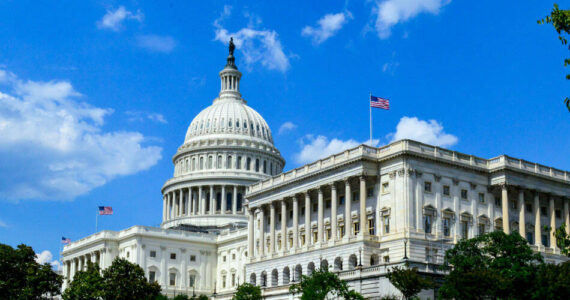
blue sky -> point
(96, 96)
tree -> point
(562, 240)
(408, 281)
(247, 291)
(124, 280)
(552, 282)
(320, 284)
(560, 19)
(494, 265)
(86, 285)
(21, 277)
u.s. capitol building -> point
(230, 215)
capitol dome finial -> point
(230, 76)
(231, 59)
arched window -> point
(265, 167)
(352, 262)
(248, 164)
(310, 268)
(324, 264)
(201, 163)
(286, 275)
(219, 162)
(374, 260)
(239, 200)
(257, 165)
(238, 163)
(219, 201)
(263, 279)
(193, 163)
(274, 277)
(210, 162)
(237, 123)
(229, 163)
(252, 279)
(230, 123)
(298, 273)
(271, 169)
(338, 264)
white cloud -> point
(390, 67)
(314, 148)
(46, 257)
(429, 132)
(53, 147)
(328, 26)
(140, 116)
(256, 46)
(287, 126)
(113, 19)
(391, 12)
(156, 43)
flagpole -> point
(96, 221)
(370, 107)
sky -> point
(96, 96)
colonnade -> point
(309, 238)
(202, 200)
(76, 264)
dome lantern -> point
(230, 76)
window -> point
(291, 214)
(446, 227)
(210, 162)
(386, 224)
(192, 280)
(315, 236)
(464, 229)
(528, 207)
(371, 226)
(543, 211)
(355, 197)
(328, 204)
(341, 200)
(153, 253)
(151, 276)
(172, 255)
(238, 164)
(265, 167)
(356, 228)
(224, 258)
(303, 239)
(257, 165)
(427, 187)
(172, 281)
(201, 163)
(558, 214)
(446, 190)
(386, 259)
(481, 229)
(545, 241)
(328, 234)
(427, 223)
(315, 207)
(464, 194)
(369, 192)
(248, 164)
(219, 162)
(223, 281)
(385, 187)
(233, 256)
(514, 204)
(341, 230)
(529, 237)
(498, 201)
(481, 198)
(233, 279)
(229, 163)
(192, 257)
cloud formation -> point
(46, 257)
(156, 43)
(113, 19)
(429, 132)
(256, 46)
(287, 126)
(141, 116)
(328, 26)
(314, 148)
(53, 147)
(391, 12)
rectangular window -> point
(223, 281)
(543, 211)
(328, 204)
(315, 236)
(481, 229)
(529, 207)
(386, 224)
(385, 187)
(558, 214)
(427, 187)
(371, 226)
(498, 201)
(369, 192)
(238, 163)
(224, 258)
(529, 237)
(545, 241)
(328, 234)
(341, 200)
(290, 214)
(514, 204)
(355, 197)
(192, 257)
(315, 207)
(446, 227)
(303, 239)
(151, 276)
(233, 279)
(191, 280)
(233, 256)
(464, 230)
(481, 198)
(446, 190)
(172, 281)
(153, 253)
(172, 255)
(356, 228)
(341, 230)
(386, 259)
(464, 194)
(427, 223)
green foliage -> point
(494, 265)
(124, 280)
(562, 240)
(86, 285)
(408, 281)
(202, 297)
(21, 277)
(560, 19)
(320, 284)
(552, 281)
(247, 291)
(181, 297)
(389, 297)
(161, 297)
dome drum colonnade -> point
(228, 145)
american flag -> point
(379, 102)
(65, 240)
(105, 210)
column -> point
(284, 238)
(224, 200)
(169, 212)
(212, 201)
(347, 209)
(308, 230)
(537, 226)
(234, 200)
(566, 215)
(552, 222)
(334, 202)
(522, 219)
(202, 201)
(250, 236)
(320, 217)
(271, 228)
(164, 206)
(180, 202)
(363, 219)
(295, 222)
(505, 207)
(261, 232)
(189, 201)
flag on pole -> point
(379, 102)
(65, 240)
(105, 210)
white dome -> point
(229, 116)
